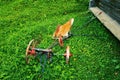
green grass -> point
(94, 58)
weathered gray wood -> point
(111, 11)
(112, 3)
(109, 22)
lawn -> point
(96, 52)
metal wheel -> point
(67, 54)
(29, 50)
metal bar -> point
(42, 50)
(56, 42)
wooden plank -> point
(110, 23)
